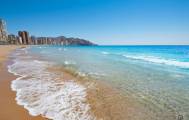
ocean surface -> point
(157, 77)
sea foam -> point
(43, 93)
(105, 53)
(69, 62)
(160, 60)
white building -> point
(3, 32)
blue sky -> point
(101, 21)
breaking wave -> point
(43, 93)
(69, 62)
(105, 53)
(159, 60)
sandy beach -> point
(106, 102)
(100, 96)
(9, 109)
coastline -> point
(105, 101)
(10, 111)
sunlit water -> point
(156, 76)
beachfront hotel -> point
(24, 35)
(3, 32)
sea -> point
(157, 77)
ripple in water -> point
(42, 93)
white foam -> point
(69, 63)
(62, 49)
(81, 73)
(25, 50)
(160, 60)
(42, 93)
(96, 74)
(105, 53)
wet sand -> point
(9, 108)
(106, 102)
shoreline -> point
(105, 101)
(11, 110)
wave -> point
(43, 93)
(153, 59)
(160, 60)
(62, 49)
(69, 63)
(105, 53)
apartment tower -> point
(3, 32)
(24, 37)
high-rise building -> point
(25, 37)
(22, 36)
(3, 32)
(13, 39)
(34, 40)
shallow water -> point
(44, 93)
(155, 76)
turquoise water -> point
(156, 76)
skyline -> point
(102, 21)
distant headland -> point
(23, 38)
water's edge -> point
(43, 93)
(77, 96)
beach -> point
(9, 108)
(13, 111)
(106, 102)
(69, 87)
(99, 96)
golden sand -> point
(106, 102)
(9, 109)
